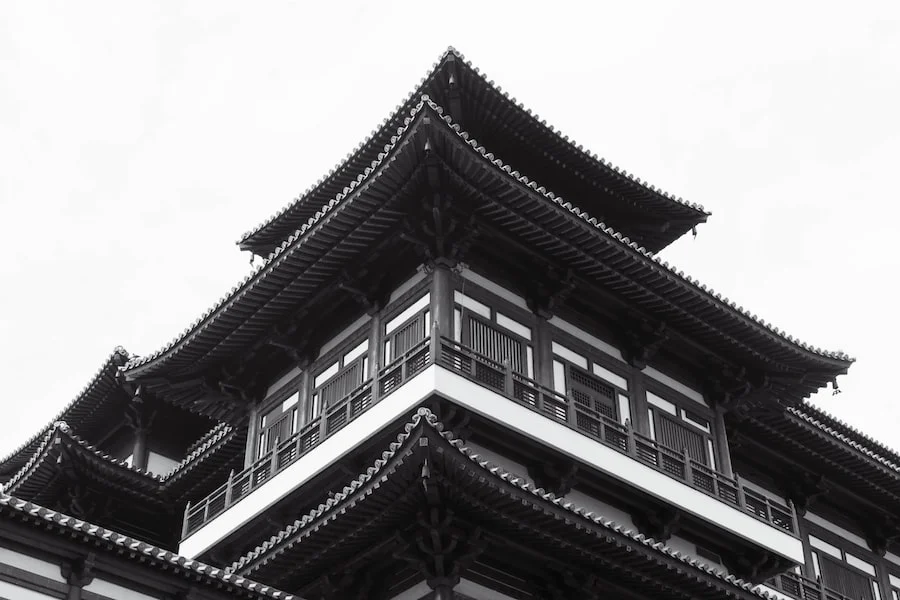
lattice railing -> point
(500, 378)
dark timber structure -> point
(460, 371)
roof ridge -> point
(60, 416)
(578, 147)
(140, 548)
(425, 416)
(451, 51)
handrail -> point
(621, 437)
(499, 377)
(803, 588)
(286, 452)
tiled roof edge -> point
(118, 352)
(845, 433)
(578, 147)
(62, 428)
(624, 240)
(288, 243)
(141, 549)
(282, 248)
(427, 417)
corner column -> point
(252, 434)
(442, 296)
(721, 437)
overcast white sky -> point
(138, 141)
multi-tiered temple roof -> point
(460, 174)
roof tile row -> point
(139, 549)
(417, 90)
(425, 417)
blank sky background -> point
(139, 140)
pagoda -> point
(460, 370)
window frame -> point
(496, 305)
(845, 547)
(682, 404)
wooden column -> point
(140, 456)
(442, 296)
(375, 344)
(252, 434)
(543, 353)
(724, 459)
(640, 414)
(139, 418)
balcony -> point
(458, 366)
(797, 586)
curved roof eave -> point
(107, 371)
(424, 419)
(837, 361)
(137, 549)
(343, 172)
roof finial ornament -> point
(834, 387)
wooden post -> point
(229, 492)
(631, 445)
(741, 500)
(723, 463)
(252, 435)
(507, 378)
(543, 353)
(435, 345)
(184, 525)
(376, 347)
(442, 295)
(688, 469)
(273, 464)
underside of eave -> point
(799, 356)
(448, 460)
(83, 407)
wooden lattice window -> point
(843, 571)
(681, 429)
(492, 333)
(406, 329)
(338, 379)
(596, 390)
(278, 424)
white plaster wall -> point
(343, 335)
(619, 517)
(891, 557)
(587, 338)
(281, 381)
(159, 464)
(500, 461)
(496, 289)
(114, 590)
(31, 564)
(676, 385)
(829, 526)
(407, 285)
(14, 592)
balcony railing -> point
(284, 453)
(802, 588)
(621, 437)
(502, 379)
